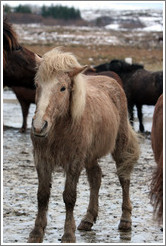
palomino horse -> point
(78, 120)
(156, 192)
(19, 69)
(142, 87)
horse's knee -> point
(43, 197)
(69, 198)
(43, 193)
(94, 176)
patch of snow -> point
(154, 28)
(113, 26)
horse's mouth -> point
(39, 136)
(36, 135)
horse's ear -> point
(77, 70)
(91, 69)
(38, 60)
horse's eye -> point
(36, 85)
(63, 88)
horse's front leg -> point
(94, 177)
(69, 197)
(25, 109)
(37, 234)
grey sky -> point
(96, 4)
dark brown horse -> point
(142, 87)
(19, 68)
(157, 146)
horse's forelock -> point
(55, 61)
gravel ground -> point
(20, 188)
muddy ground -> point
(20, 188)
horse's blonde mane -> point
(78, 97)
(54, 61)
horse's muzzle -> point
(39, 130)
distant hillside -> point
(126, 20)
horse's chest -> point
(62, 151)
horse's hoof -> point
(35, 237)
(125, 225)
(85, 226)
(22, 130)
(35, 240)
(68, 238)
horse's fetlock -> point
(127, 208)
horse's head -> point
(120, 66)
(102, 67)
(19, 64)
(60, 90)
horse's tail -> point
(128, 154)
(156, 190)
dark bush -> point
(60, 12)
(23, 9)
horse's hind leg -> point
(125, 222)
(125, 155)
(131, 112)
(37, 234)
(140, 118)
(94, 177)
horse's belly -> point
(104, 136)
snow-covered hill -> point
(144, 20)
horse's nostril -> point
(45, 125)
(32, 123)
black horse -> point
(142, 87)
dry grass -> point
(94, 55)
(91, 45)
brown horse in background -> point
(19, 69)
(111, 74)
(156, 192)
(78, 120)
